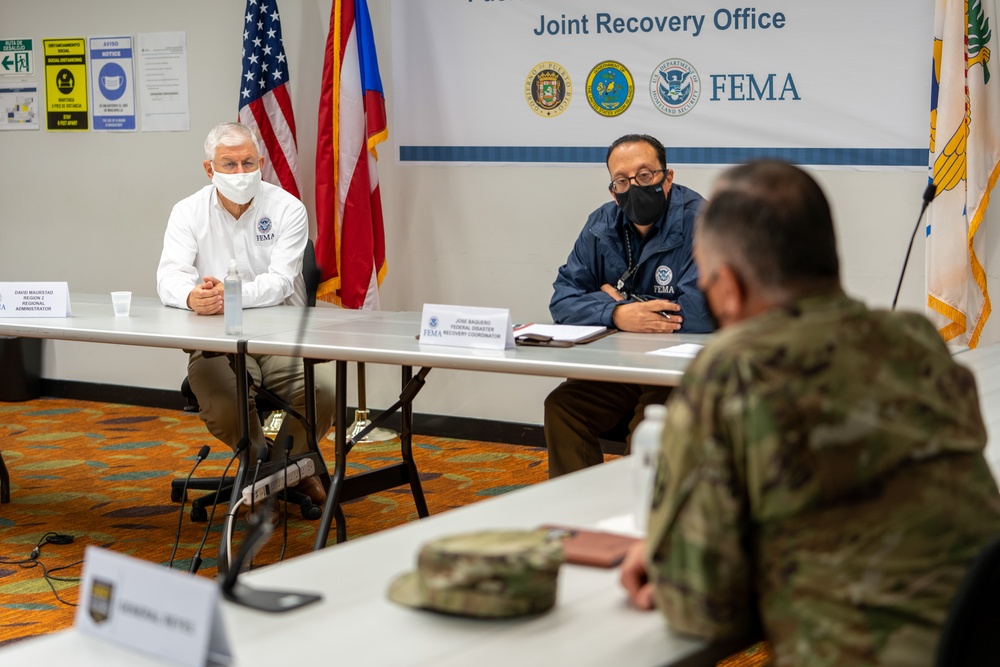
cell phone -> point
(593, 548)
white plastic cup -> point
(122, 301)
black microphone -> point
(929, 193)
(196, 561)
(202, 455)
(261, 455)
(289, 443)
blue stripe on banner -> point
(854, 157)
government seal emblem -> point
(264, 225)
(675, 87)
(548, 89)
(610, 88)
(100, 600)
(664, 275)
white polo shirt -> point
(267, 243)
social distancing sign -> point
(66, 84)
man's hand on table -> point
(655, 316)
(634, 578)
(207, 298)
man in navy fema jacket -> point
(632, 268)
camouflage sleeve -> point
(697, 556)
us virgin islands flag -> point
(964, 165)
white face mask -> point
(238, 188)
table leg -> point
(339, 466)
(4, 482)
(406, 447)
(243, 447)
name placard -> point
(151, 609)
(466, 326)
(34, 300)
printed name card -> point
(34, 300)
(148, 608)
(466, 326)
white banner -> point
(556, 81)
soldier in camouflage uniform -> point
(821, 477)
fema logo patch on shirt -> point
(664, 275)
(264, 231)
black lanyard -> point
(628, 271)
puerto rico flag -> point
(350, 240)
(265, 105)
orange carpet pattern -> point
(101, 473)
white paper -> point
(164, 81)
(466, 326)
(19, 106)
(34, 300)
(150, 609)
(688, 350)
(567, 332)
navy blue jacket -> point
(664, 265)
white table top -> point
(356, 624)
(351, 335)
(390, 338)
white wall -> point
(90, 208)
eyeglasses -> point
(228, 166)
(645, 177)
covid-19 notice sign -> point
(66, 84)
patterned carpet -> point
(101, 473)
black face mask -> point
(643, 204)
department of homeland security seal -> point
(548, 89)
(675, 87)
(664, 275)
(610, 88)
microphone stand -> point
(929, 193)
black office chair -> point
(971, 633)
(266, 403)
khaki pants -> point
(214, 384)
(577, 412)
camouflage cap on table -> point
(491, 574)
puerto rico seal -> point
(548, 89)
(675, 87)
(610, 88)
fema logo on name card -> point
(675, 87)
(433, 322)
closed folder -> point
(555, 335)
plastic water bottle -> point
(645, 454)
(233, 301)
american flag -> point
(265, 105)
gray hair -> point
(229, 134)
